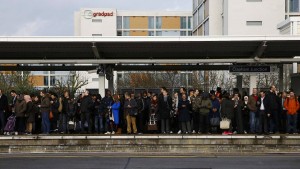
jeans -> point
(63, 122)
(186, 126)
(252, 122)
(45, 122)
(99, 127)
(292, 123)
(86, 121)
(165, 125)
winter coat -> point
(215, 104)
(133, 109)
(87, 104)
(252, 104)
(205, 106)
(68, 107)
(183, 108)
(271, 102)
(291, 105)
(45, 104)
(30, 112)
(227, 108)
(20, 108)
(164, 108)
(3, 103)
(115, 111)
(54, 106)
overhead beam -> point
(170, 67)
(260, 50)
(47, 68)
(151, 61)
(95, 50)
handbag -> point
(152, 125)
(50, 115)
(215, 121)
(225, 123)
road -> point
(140, 161)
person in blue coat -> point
(214, 114)
(114, 116)
(184, 114)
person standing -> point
(272, 108)
(246, 115)
(3, 111)
(20, 108)
(204, 107)
(86, 108)
(54, 109)
(215, 112)
(264, 114)
(130, 107)
(227, 111)
(291, 104)
(115, 108)
(253, 111)
(140, 118)
(184, 114)
(164, 108)
(29, 114)
(45, 110)
(283, 113)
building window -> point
(158, 22)
(151, 22)
(206, 9)
(182, 22)
(97, 20)
(125, 33)
(195, 19)
(294, 5)
(46, 83)
(206, 28)
(158, 33)
(190, 33)
(119, 22)
(182, 33)
(150, 33)
(119, 33)
(126, 21)
(189, 22)
(254, 23)
(201, 14)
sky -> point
(56, 17)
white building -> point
(237, 17)
(113, 22)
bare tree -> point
(74, 82)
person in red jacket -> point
(291, 104)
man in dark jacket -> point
(86, 108)
(272, 108)
(3, 110)
(164, 108)
(45, 110)
(106, 102)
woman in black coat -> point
(227, 111)
(184, 114)
(29, 114)
(164, 108)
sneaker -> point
(234, 132)
(245, 132)
(171, 132)
(194, 132)
(229, 133)
(107, 132)
(113, 132)
(16, 133)
(179, 132)
(225, 133)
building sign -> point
(88, 14)
(249, 69)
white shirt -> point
(262, 107)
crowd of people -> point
(183, 112)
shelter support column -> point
(252, 83)
(280, 77)
(239, 83)
(295, 67)
(111, 85)
(102, 85)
